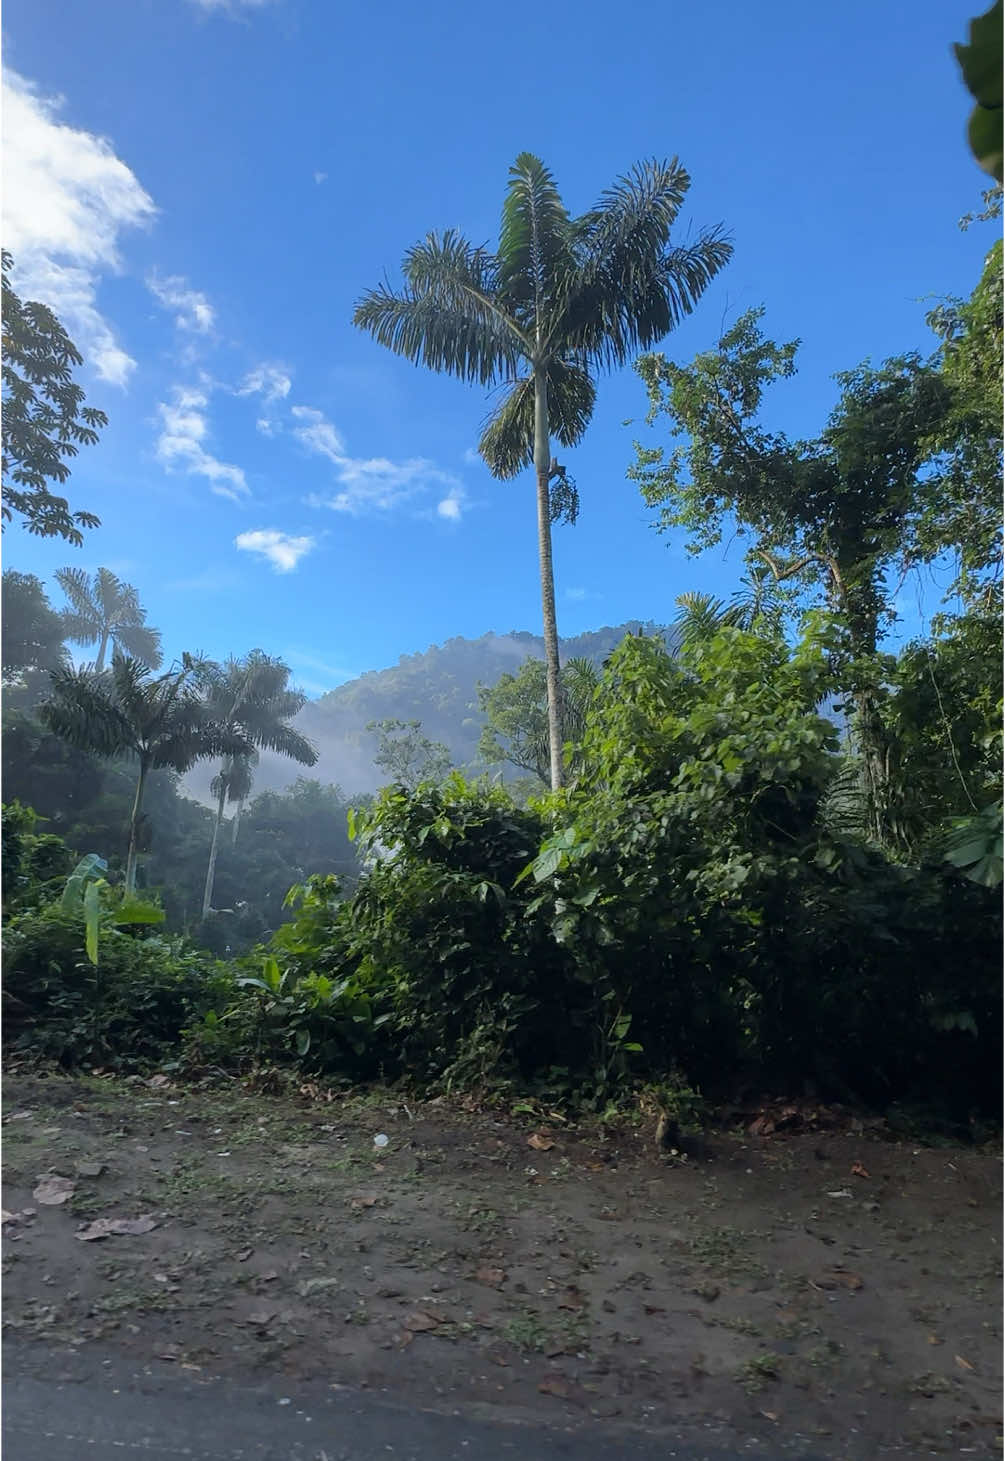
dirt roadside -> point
(827, 1284)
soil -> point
(802, 1277)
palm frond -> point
(535, 245)
(507, 440)
(140, 643)
(83, 709)
(631, 288)
(76, 584)
(447, 317)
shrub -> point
(130, 1009)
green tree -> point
(962, 501)
(252, 699)
(407, 756)
(124, 711)
(105, 610)
(834, 514)
(45, 420)
(561, 299)
(32, 630)
(516, 713)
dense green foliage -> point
(775, 861)
(45, 420)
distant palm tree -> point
(105, 610)
(123, 711)
(252, 699)
(560, 300)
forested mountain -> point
(438, 687)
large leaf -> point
(92, 917)
(981, 63)
(89, 867)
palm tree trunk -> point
(134, 828)
(542, 468)
(207, 896)
(99, 663)
(237, 821)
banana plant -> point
(89, 890)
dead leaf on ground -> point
(761, 1126)
(52, 1190)
(492, 1276)
(422, 1321)
(108, 1227)
(770, 1414)
(857, 1170)
(90, 1169)
(838, 1278)
(560, 1387)
(963, 1364)
(653, 1309)
(358, 1203)
(244, 1255)
(572, 1299)
(261, 1318)
(157, 1082)
(540, 1143)
(498, 1359)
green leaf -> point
(88, 867)
(547, 864)
(92, 914)
(137, 910)
(303, 1042)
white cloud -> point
(180, 444)
(271, 382)
(193, 310)
(319, 177)
(67, 200)
(472, 457)
(231, 7)
(370, 483)
(279, 549)
(318, 434)
(452, 505)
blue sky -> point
(202, 190)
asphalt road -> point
(84, 1407)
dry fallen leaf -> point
(540, 1143)
(556, 1385)
(422, 1321)
(360, 1202)
(857, 1170)
(653, 1309)
(571, 1299)
(53, 1190)
(770, 1414)
(492, 1276)
(963, 1364)
(107, 1227)
(90, 1169)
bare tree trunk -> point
(207, 895)
(134, 828)
(542, 469)
(237, 821)
(99, 663)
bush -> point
(130, 1009)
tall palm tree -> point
(560, 300)
(252, 699)
(105, 610)
(124, 711)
